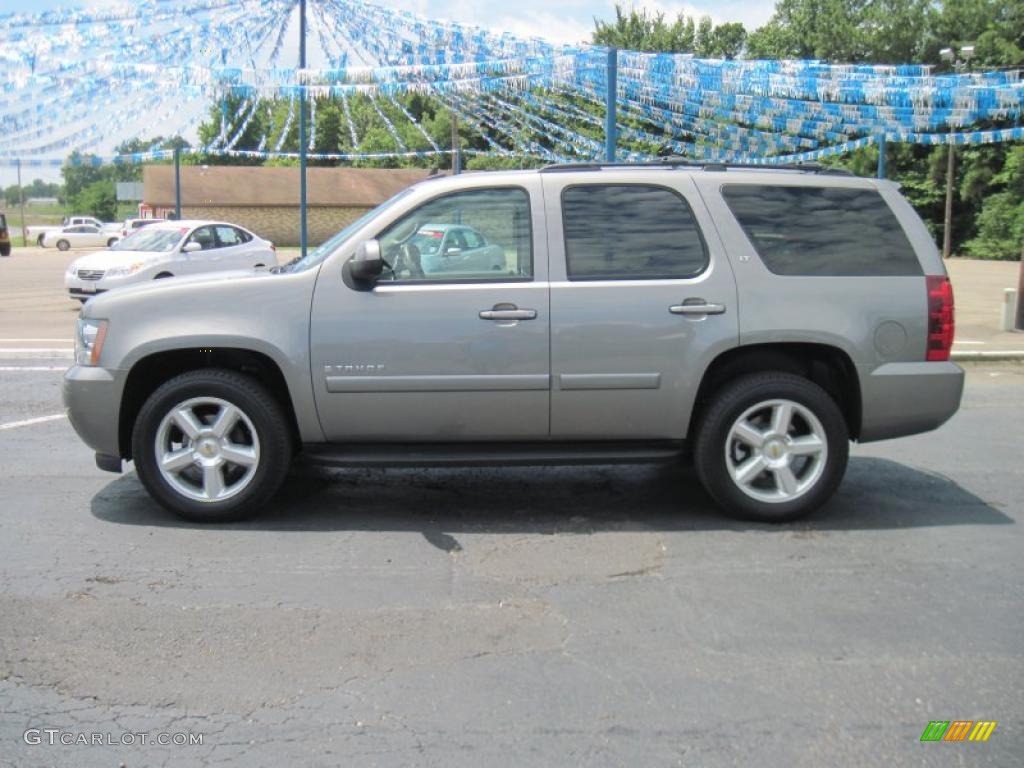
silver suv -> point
(754, 320)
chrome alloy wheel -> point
(207, 449)
(776, 451)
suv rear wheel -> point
(772, 447)
(211, 445)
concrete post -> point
(1019, 325)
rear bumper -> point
(902, 399)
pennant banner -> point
(82, 80)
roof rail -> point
(705, 165)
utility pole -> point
(960, 59)
(881, 156)
(177, 181)
(456, 149)
(947, 233)
(21, 201)
(611, 99)
(303, 232)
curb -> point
(987, 357)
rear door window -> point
(630, 232)
(228, 237)
(822, 231)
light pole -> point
(611, 101)
(303, 233)
(959, 60)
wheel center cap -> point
(209, 448)
(774, 450)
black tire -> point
(5, 249)
(111, 242)
(713, 442)
(163, 276)
(63, 245)
(253, 400)
(39, 241)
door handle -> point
(508, 312)
(692, 307)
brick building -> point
(266, 200)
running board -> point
(492, 454)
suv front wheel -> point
(211, 445)
(772, 447)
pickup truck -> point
(39, 231)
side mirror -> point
(368, 263)
(191, 248)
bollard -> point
(1009, 309)
(1019, 321)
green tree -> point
(641, 30)
(79, 172)
(1000, 221)
(97, 199)
(994, 27)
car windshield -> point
(316, 257)
(152, 240)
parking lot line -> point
(34, 353)
(37, 341)
(31, 422)
(31, 368)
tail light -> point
(940, 318)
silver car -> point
(168, 249)
(448, 248)
(755, 321)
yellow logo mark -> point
(982, 730)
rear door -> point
(234, 252)
(642, 298)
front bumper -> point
(902, 399)
(85, 289)
(92, 401)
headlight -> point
(89, 341)
(129, 269)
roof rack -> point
(705, 165)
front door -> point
(431, 354)
(642, 297)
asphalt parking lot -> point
(602, 616)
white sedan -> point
(79, 236)
(168, 249)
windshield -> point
(152, 240)
(316, 257)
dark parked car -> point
(5, 237)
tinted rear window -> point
(630, 232)
(822, 231)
